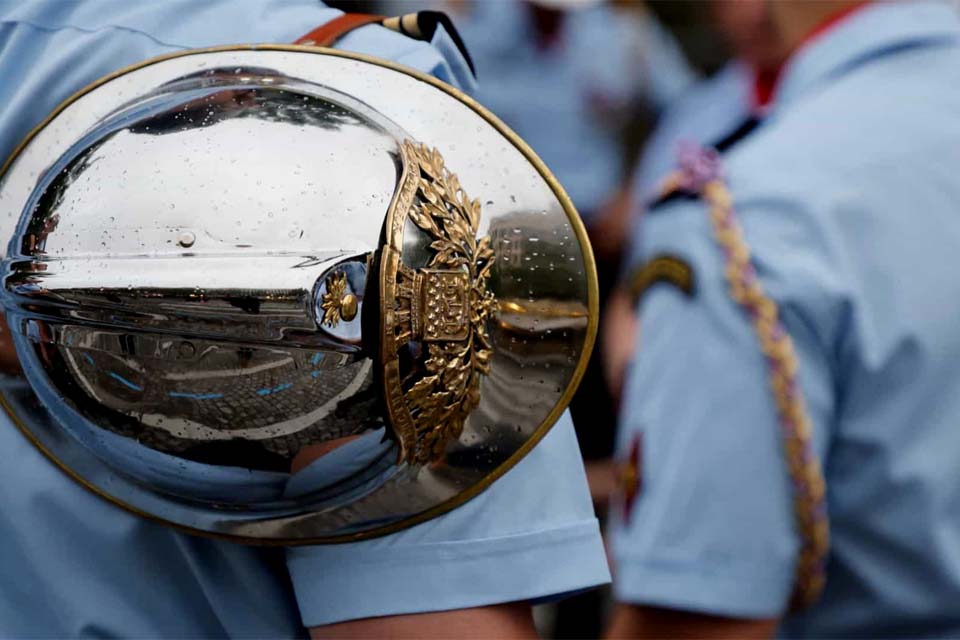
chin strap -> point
(701, 173)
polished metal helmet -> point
(227, 265)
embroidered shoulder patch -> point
(666, 268)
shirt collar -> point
(875, 29)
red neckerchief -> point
(765, 82)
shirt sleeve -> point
(531, 535)
(711, 529)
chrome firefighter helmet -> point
(286, 294)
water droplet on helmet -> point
(186, 239)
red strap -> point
(326, 35)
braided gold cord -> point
(804, 467)
(702, 174)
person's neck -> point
(798, 22)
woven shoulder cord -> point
(701, 173)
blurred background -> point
(500, 32)
(586, 83)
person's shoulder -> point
(825, 186)
(852, 145)
(705, 111)
(896, 112)
(176, 23)
(709, 108)
(435, 48)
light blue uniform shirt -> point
(849, 197)
(553, 97)
(74, 565)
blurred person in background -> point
(788, 425)
(565, 75)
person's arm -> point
(618, 339)
(531, 535)
(631, 621)
(708, 526)
(608, 232)
(512, 620)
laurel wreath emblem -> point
(440, 401)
